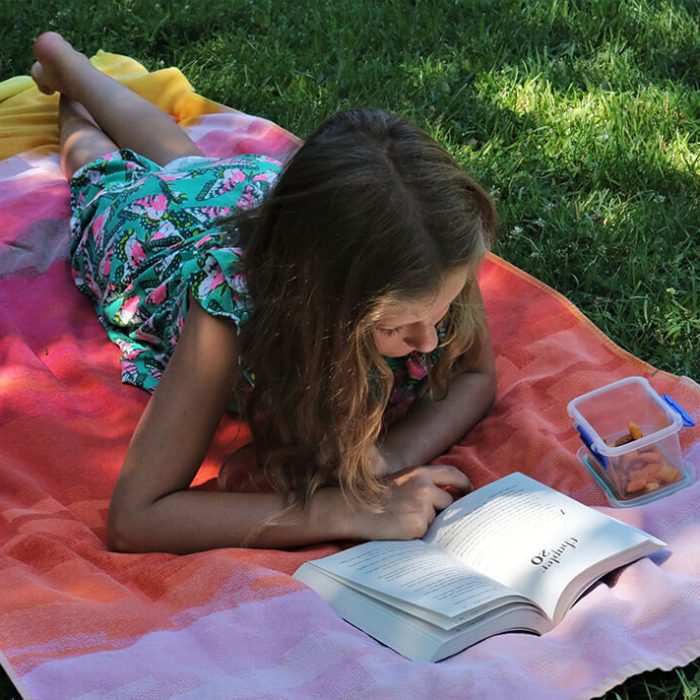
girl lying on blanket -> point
(322, 299)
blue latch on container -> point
(586, 440)
(688, 422)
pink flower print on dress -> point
(210, 283)
(98, 226)
(246, 201)
(157, 296)
(416, 366)
(250, 198)
(239, 283)
(129, 311)
(165, 230)
(140, 373)
(153, 206)
(172, 177)
(106, 263)
(130, 371)
(234, 177)
(231, 178)
(130, 351)
(207, 238)
(134, 253)
(146, 337)
(213, 212)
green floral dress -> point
(145, 236)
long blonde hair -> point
(369, 211)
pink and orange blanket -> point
(77, 621)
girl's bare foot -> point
(56, 58)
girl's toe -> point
(37, 73)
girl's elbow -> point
(122, 534)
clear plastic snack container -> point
(631, 444)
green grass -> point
(582, 119)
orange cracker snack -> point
(635, 432)
(642, 470)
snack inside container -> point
(631, 443)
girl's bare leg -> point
(82, 140)
(129, 120)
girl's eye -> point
(390, 331)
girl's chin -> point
(385, 352)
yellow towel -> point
(28, 118)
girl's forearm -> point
(191, 521)
(431, 427)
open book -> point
(512, 556)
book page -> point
(472, 526)
(421, 576)
(534, 539)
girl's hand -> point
(413, 498)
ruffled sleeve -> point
(217, 283)
(224, 291)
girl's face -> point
(410, 326)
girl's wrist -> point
(335, 515)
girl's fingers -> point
(441, 499)
(455, 492)
(447, 475)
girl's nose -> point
(422, 337)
